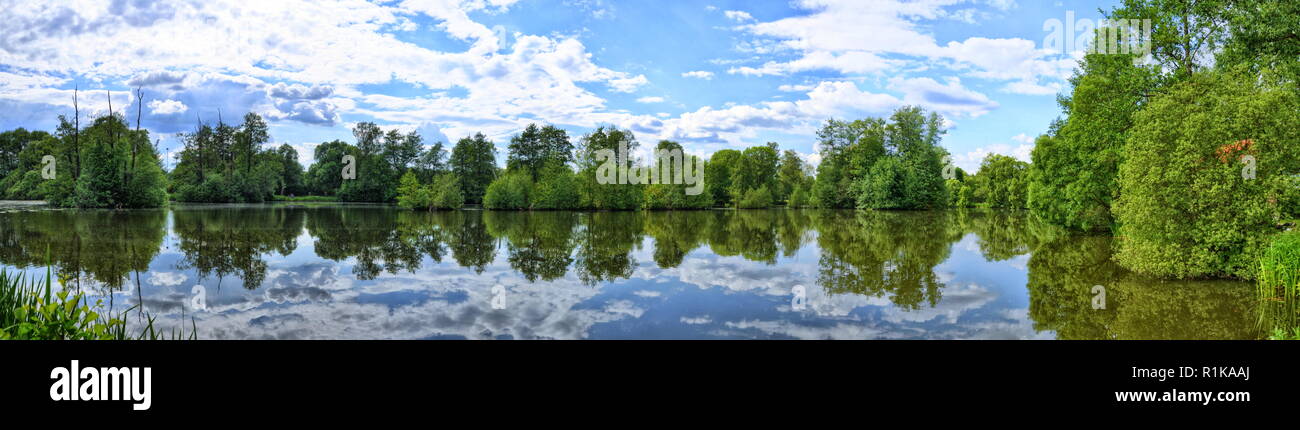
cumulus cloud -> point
(650, 100)
(698, 74)
(738, 15)
(166, 107)
(830, 38)
(950, 98)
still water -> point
(376, 272)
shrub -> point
(445, 192)
(509, 191)
(798, 198)
(1186, 206)
(758, 198)
(410, 194)
(557, 188)
(1279, 281)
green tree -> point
(473, 160)
(592, 158)
(325, 175)
(909, 174)
(1075, 167)
(717, 174)
(509, 191)
(1208, 168)
(1001, 182)
(536, 146)
(792, 174)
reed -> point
(1279, 283)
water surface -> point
(377, 272)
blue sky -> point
(709, 74)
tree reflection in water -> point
(872, 254)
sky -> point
(709, 74)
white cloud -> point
(316, 64)
(166, 107)
(795, 88)
(738, 15)
(699, 74)
(950, 99)
(650, 100)
(970, 161)
(832, 37)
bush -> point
(410, 194)
(1186, 207)
(759, 198)
(445, 192)
(509, 191)
(557, 188)
(883, 187)
(798, 198)
(1279, 281)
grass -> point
(280, 198)
(30, 310)
(1278, 284)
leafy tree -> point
(1189, 204)
(909, 174)
(226, 163)
(431, 162)
(410, 194)
(445, 192)
(536, 146)
(717, 174)
(473, 160)
(509, 191)
(402, 150)
(668, 195)
(609, 196)
(556, 187)
(292, 180)
(757, 168)
(1001, 182)
(849, 150)
(1073, 184)
(792, 174)
(756, 198)
(325, 176)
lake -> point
(333, 271)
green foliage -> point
(325, 175)
(226, 164)
(1186, 206)
(1278, 285)
(799, 198)
(1075, 168)
(556, 187)
(445, 192)
(537, 146)
(509, 191)
(473, 160)
(849, 150)
(30, 310)
(609, 196)
(757, 198)
(894, 164)
(717, 175)
(669, 195)
(756, 168)
(1001, 182)
(410, 194)
(960, 193)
